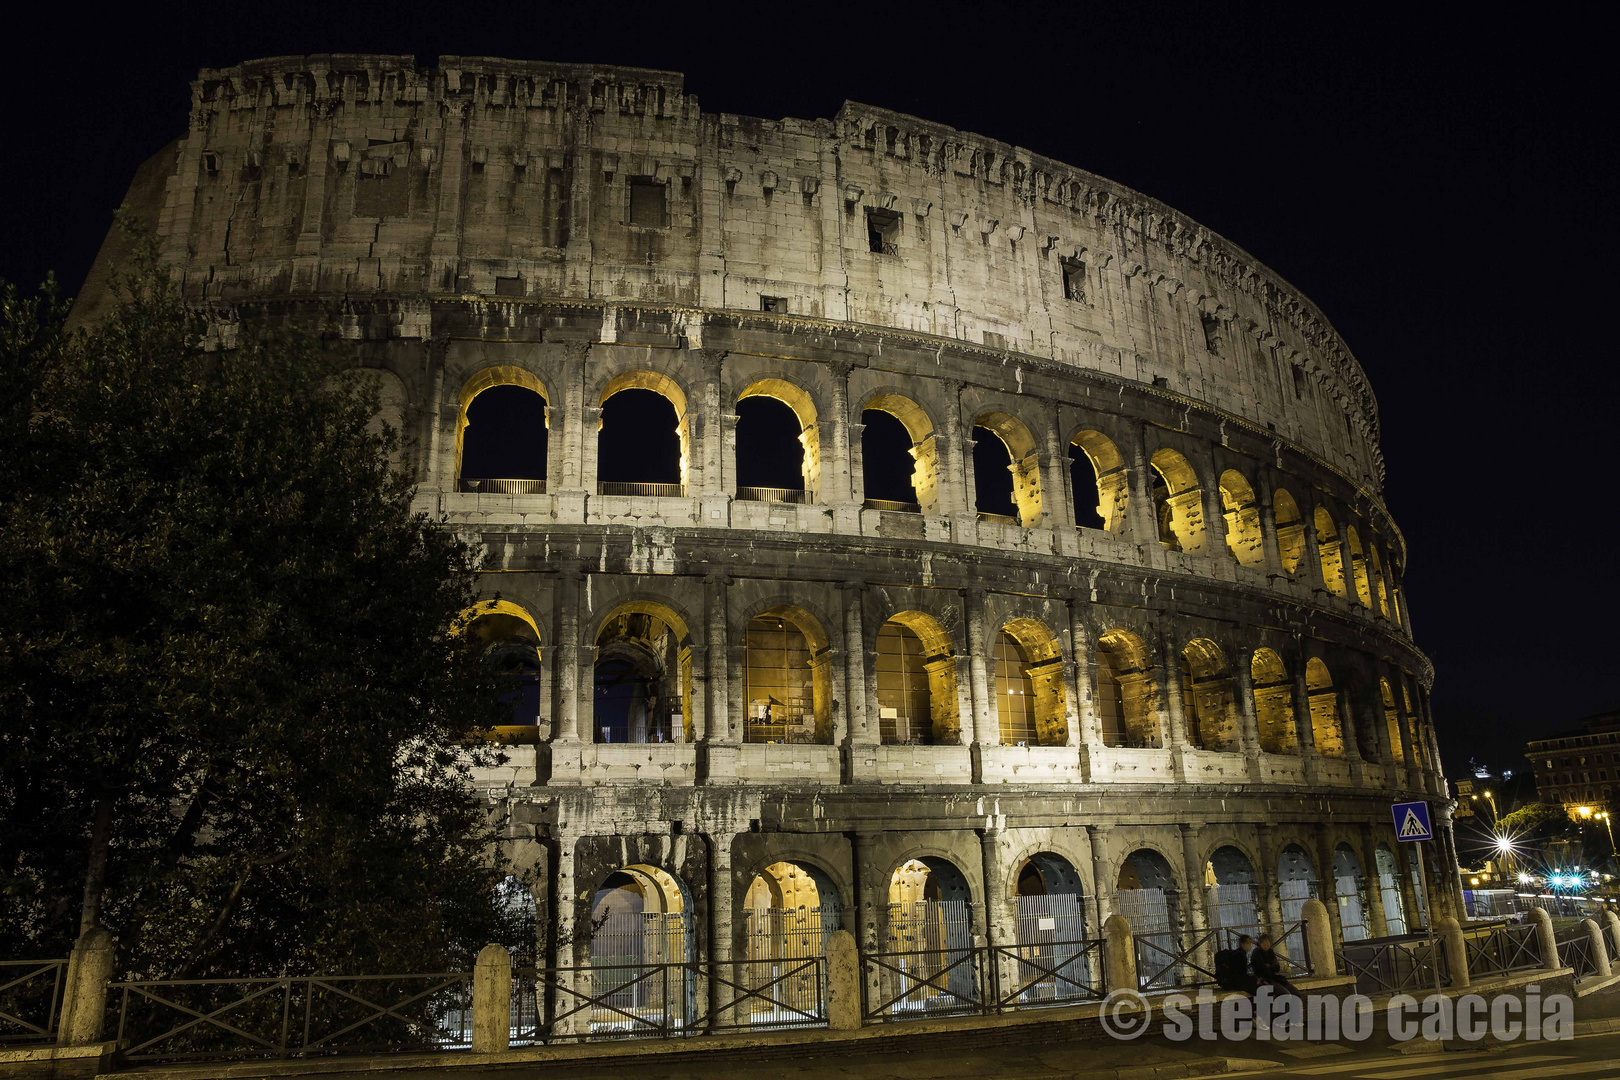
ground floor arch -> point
(641, 952)
(1296, 883)
(928, 939)
(1055, 958)
(1350, 893)
(790, 909)
(1233, 900)
(1148, 897)
(1389, 890)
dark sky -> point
(1443, 189)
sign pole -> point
(1428, 911)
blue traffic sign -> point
(1412, 821)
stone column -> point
(571, 954)
(1085, 681)
(1268, 526)
(1347, 724)
(573, 703)
(957, 493)
(1350, 592)
(1311, 569)
(1266, 878)
(718, 727)
(1409, 755)
(857, 724)
(1329, 883)
(1057, 495)
(985, 725)
(1197, 919)
(1243, 688)
(841, 486)
(998, 921)
(722, 932)
(1214, 508)
(1175, 719)
(1141, 514)
(1104, 870)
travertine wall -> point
(469, 226)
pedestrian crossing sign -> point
(1412, 821)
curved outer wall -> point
(476, 218)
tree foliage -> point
(239, 718)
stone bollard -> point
(84, 1003)
(843, 982)
(1545, 939)
(1319, 938)
(492, 1000)
(1451, 939)
(1613, 922)
(1600, 948)
(1119, 954)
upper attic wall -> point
(342, 173)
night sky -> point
(1444, 191)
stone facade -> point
(580, 230)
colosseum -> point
(890, 529)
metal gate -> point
(781, 973)
(928, 966)
(1348, 889)
(641, 970)
(1148, 912)
(1394, 906)
(1292, 895)
(1233, 912)
(1054, 959)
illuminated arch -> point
(1242, 513)
(1392, 721)
(643, 675)
(1112, 479)
(1375, 570)
(1273, 690)
(787, 678)
(1024, 463)
(488, 379)
(1326, 728)
(1290, 531)
(1127, 698)
(915, 677)
(1031, 703)
(1329, 552)
(665, 387)
(508, 639)
(1179, 502)
(803, 405)
(1358, 565)
(924, 450)
(1209, 703)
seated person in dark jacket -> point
(1232, 967)
(1268, 967)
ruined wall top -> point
(367, 173)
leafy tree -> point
(239, 718)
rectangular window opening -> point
(509, 286)
(776, 305)
(1299, 381)
(1212, 332)
(882, 232)
(646, 202)
(1074, 280)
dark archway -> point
(504, 442)
(770, 449)
(639, 442)
(887, 464)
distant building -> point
(1581, 766)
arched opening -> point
(899, 460)
(1329, 552)
(1392, 722)
(507, 640)
(1389, 889)
(501, 437)
(928, 933)
(1006, 470)
(1290, 531)
(1234, 906)
(1030, 699)
(643, 946)
(642, 446)
(1379, 588)
(1242, 513)
(1179, 502)
(1358, 563)
(1326, 730)
(643, 679)
(1209, 704)
(916, 683)
(1127, 709)
(789, 912)
(1296, 883)
(1420, 758)
(1101, 482)
(778, 444)
(1350, 890)
(787, 678)
(1273, 703)
(1148, 899)
(1053, 962)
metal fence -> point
(1502, 949)
(666, 491)
(771, 494)
(504, 487)
(30, 1000)
(892, 506)
(1148, 912)
(1292, 896)
(285, 1017)
(1575, 950)
(1394, 965)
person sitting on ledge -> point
(1232, 967)
(1268, 968)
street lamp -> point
(1609, 825)
(1492, 799)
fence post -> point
(84, 1004)
(1600, 948)
(1319, 938)
(1119, 954)
(1451, 938)
(843, 982)
(1545, 939)
(492, 1000)
(1614, 930)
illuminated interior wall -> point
(1113, 490)
(1244, 538)
(1180, 503)
(786, 683)
(1273, 703)
(1326, 729)
(1127, 697)
(1329, 552)
(1210, 705)
(1290, 531)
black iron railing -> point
(175, 1019)
(770, 494)
(30, 1000)
(504, 487)
(661, 491)
(924, 983)
(1575, 950)
(1394, 965)
(1048, 973)
(1502, 949)
(892, 506)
